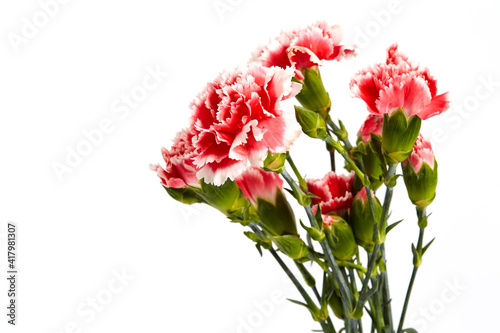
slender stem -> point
(367, 189)
(352, 278)
(344, 289)
(297, 284)
(329, 322)
(351, 265)
(332, 160)
(332, 153)
(407, 298)
(386, 295)
(371, 264)
(383, 222)
(421, 214)
(342, 151)
(302, 182)
(336, 129)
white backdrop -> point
(102, 248)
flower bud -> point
(313, 95)
(336, 305)
(398, 135)
(226, 198)
(313, 125)
(292, 246)
(275, 162)
(265, 192)
(420, 174)
(186, 195)
(340, 237)
(363, 223)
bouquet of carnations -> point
(236, 156)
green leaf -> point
(410, 330)
(427, 246)
(259, 249)
(252, 236)
(392, 226)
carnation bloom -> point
(237, 120)
(373, 124)
(304, 48)
(256, 183)
(179, 170)
(399, 84)
(422, 152)
(334, 192)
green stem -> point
(351, 265)
(302, 182)
(383, 222)
(342, 151)
(352, 278)
(336, 129)
(344, 289)
(298, 285)
(386, 295)
(369, 269)
(421, 214)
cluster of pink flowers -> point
(237, 120)
(399, 84)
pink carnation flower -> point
(304, 48)
(237, 120)
(179, 170)
(373, 124)
(422, 152)
(334, 191)
(399, 84)
(257, 183)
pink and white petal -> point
(438, 105)
(302, 57)
(210, 150)
(281, 133)
(367, 87)
(218, 173)
(278, 84)
(408, 93)
(316, 41)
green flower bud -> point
(372, 164)
(264, 190)
(292, 246)
(420, 173)
(226, 198)
(313, 95)
(362, 221)
(398, 136)
(186, 195)
(275, 162)
(313, 125)
(336, 305)
(278, 218)
(340, 237)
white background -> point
(189, 269)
